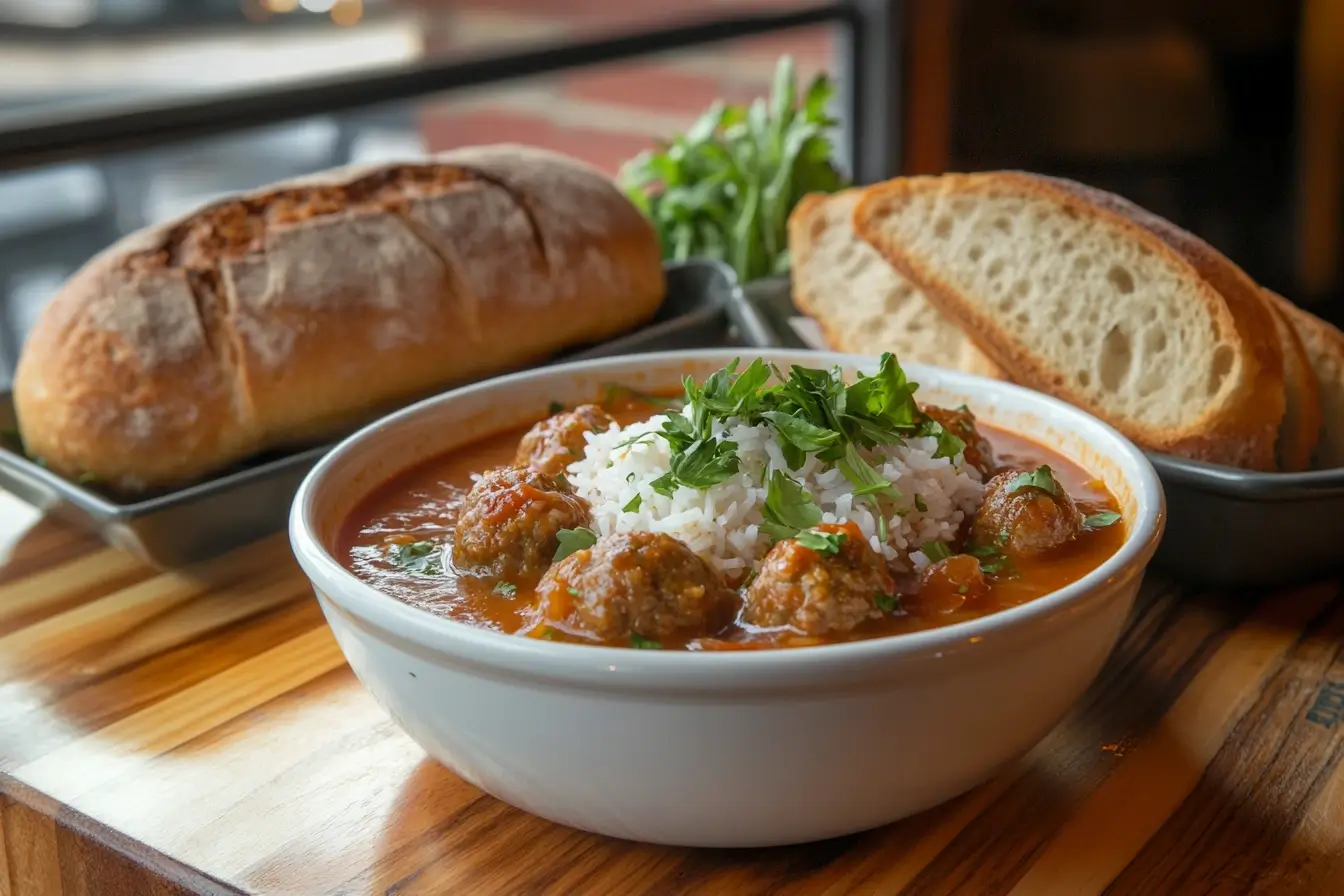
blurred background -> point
(1223, 115)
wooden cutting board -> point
(199, 732)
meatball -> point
(947, 586)
(556, 442)
(961, 423)
(817, 593)
(1025, 514)
(509, 523)
(636, 585)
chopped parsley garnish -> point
(788, 507)
(864, 478)
(802, 435)
(629, 477)
(574, 592)
(811, 412)
(705, 463)
(419, 557)
(639, 642)
(936, 550)
(555, 407)
(1101, 520)
(507, 589)
(548, 634)
(949, 443)
(664, 485)
(635, 440)
(920, 505)
(572, 540)
(1042, 478)
(992, 560)
(563, 480)
(632, 505)
(822, 542)
(887, 603)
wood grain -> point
(199, 732)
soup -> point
(763, 509)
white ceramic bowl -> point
(747, 748)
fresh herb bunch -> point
(811, 412)
(725, 188)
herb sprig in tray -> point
(725, 188)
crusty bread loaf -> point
(1325, 350)
(1121, 315)
(289, 314)
(861, 304)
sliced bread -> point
(1325, 350)
(1086, 301)
(860, 303)
(1295, 437)
(1300, 433)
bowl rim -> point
(487, 648)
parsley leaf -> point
(419, 557)
(886, 398)
(679, 432)
(861, 475)
(992, 560)
(705, 463)
(555, 407)
(507, 589)
(788, 507)
(745, 388)
(639, 642)
(572, 540)
(805, 436)
(936, 550)
(1101, 520)
(664, 485)
(822, 542)
(949, 443)
(635, 440)
(920, 505)
(1042, 478)
(887, 603)
(632, 506)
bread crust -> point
(1324, 345)
(288, 314)
(1240, 431)
(1300, 433)
(1258, 416)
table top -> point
(199, 732)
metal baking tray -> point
(198, 522)
(1226, 528)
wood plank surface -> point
(199, 732)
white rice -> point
(722, 523)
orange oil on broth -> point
(422, 503)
